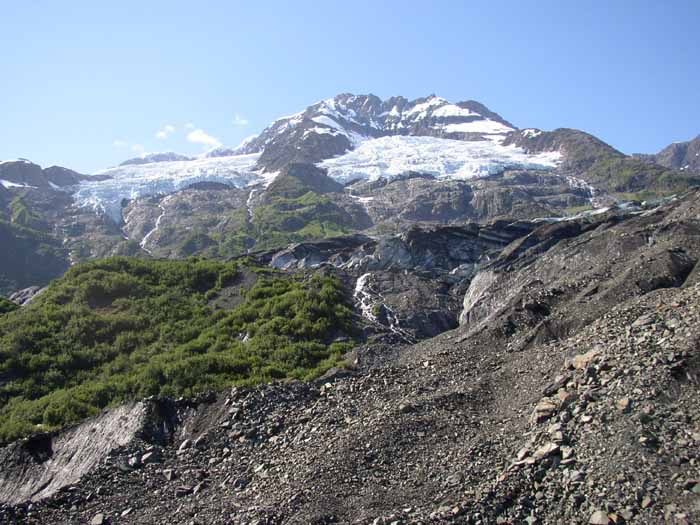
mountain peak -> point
(147, 158)
(339, 124)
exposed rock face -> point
(580, 149)
(410, 283)
(439, 250)
(62, 177)
(562, 276)
(683, 156)
(26, 295)
(155, 157)
(40, 466)
(23, 173)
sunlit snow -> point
(130, 182)
(448, 159)
(452, 110)
(9, 184)
(478, 126)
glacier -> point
(143, 180)
(389, 157)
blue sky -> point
(86, 85)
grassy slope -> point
(124, 328)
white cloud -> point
(166, 130)
(189, 126)
(240, 121)
(120, 143)
(137, 148)
(199, 136)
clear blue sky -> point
(83, 84)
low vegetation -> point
(311, 216)
(640, 179)
(124, 328)
(7, 306)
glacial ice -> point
(130, 182)
(390, 157)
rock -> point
(566, 398)
(543, 410)
(581, 361)
(184, 446)
(150, 457)
(455, 479)
(200, 442)
(98, 519)
(624, 404)
(599, 517)
(405, 408)
(183, 490)
(645, 320)
(646, 502)
(169, 474)
(546, 450)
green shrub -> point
(124, 328)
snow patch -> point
(452, 110)
(531, 133)
(390, 157)
(157, 226)
(142, 180)
(9, 184)
(478, 126)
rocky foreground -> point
(568, 394)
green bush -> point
(123, 328)
(7, 306)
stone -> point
(150, 457)
(183, 490)
(98, 519)
(405, 408)
(599, 517)
(566, 398)
(546, 450)
(624, 404)
(581, 361)
(646, 502)
(169, 474)
(544, 409)
(454, 479)
(184, 445)
(645, 320)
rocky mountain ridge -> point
(683, 156)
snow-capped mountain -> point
(353, 137)
(362, 117)
(334, 126)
